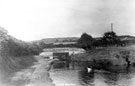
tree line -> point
(87, 42)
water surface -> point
(78, 77)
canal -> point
(79, 77)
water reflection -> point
(110, 78)
(86, 78)
(96, 78)
(106, 79)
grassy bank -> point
(14, 55)
(37, 74)
(12, 64)
(106, 57)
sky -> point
(30, 20)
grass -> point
(113, 54)
(10, 64)
(38, 74)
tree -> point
(110, 38)
(85, 41)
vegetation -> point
(85, 41)
(109, 57)
(126, 56)
(14, 48)
(15, 54)
(110, 38)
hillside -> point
(54, 40)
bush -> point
(102, 64)
(85, 42)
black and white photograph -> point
(67, 42)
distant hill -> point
(66, 39)
(55, 40)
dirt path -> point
(36, 75)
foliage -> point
(14, 55)
(110, 38)
(102, 64)
(14, 48)
(85, 42)
(97, 43)
(126, 56)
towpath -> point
(36, 75)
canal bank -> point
(36, 75)
(108, 57)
